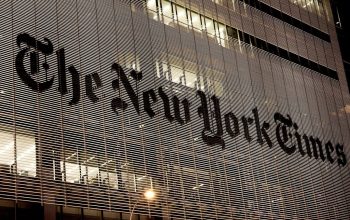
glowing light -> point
(149, 194)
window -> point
(196, 21)
(18, 153)
(152, 5)
(152, 9)
(162, 70)
(167, 12)
(221, 34)
(143, 183)
(128, 181)
(108, 174)
(181, 15)
(191, 79)
(89, 169)
(220, 2)
(315, 6)
(72, 172)
(177, 75)
(232, 32)
(209, 24)
(130, 61)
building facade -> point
(226, 109)
(342, 25)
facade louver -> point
(225, 109)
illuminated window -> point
(196, 21)
(21, 145)
(220, 2)
(209, 24)
(130, 61)
(173, 12)
(177, 75)
(162, 70)
(152, 9)
(167, 12)
(314, 6)
(152, 5)
(221, 34)
(72, 172)
(90, 170)
(26, 155)
(191, 79)
(200, 83)
(108, 174)
(181, 15)
(128, 179)
(180, 76)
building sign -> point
(215, 122)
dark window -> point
(314, 66)
(283, 53)
(7, 210)
(240, 33)
(246, 38)
(294, 58)
(26, 210)
(304, 62)
(272, 49)
(232, 32)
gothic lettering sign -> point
(215, 122)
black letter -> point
(166, 103)
(186, 105)
(298, 137)
(245, 122)
(265, 127)
(146, 102)
(307, 143)
(76, 85)
(217, 114)
(341, 156)
(176, 105)
(329, 150)
(89, 88)
(203, 112)
(129, 90)
(228, 118)
(261, 130)
(315, 142)
(62, 82)
(282, 127)
(46, 49)
(117, 102)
